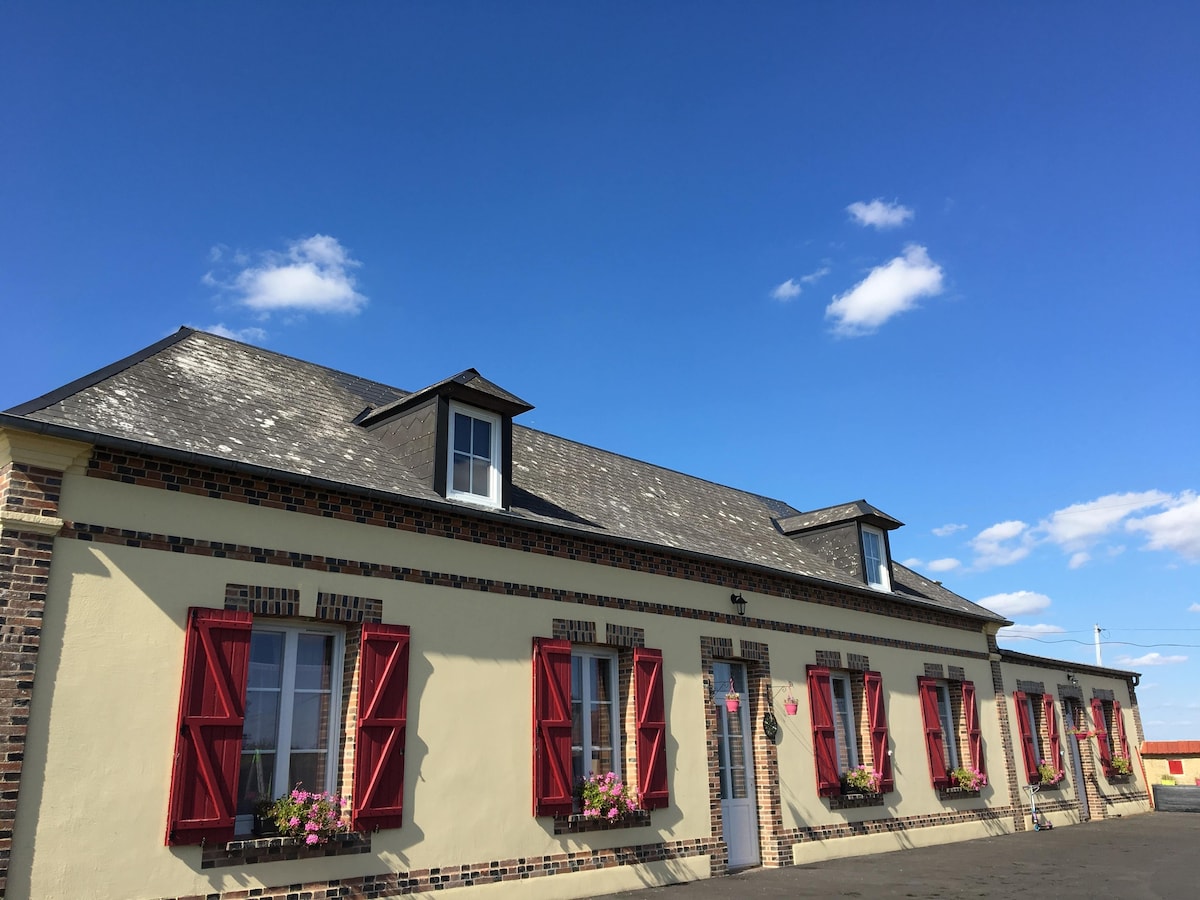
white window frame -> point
(848, 742)
(291, 632)
(496, 463)
(949, 728)
(601, 657)
(880, 577)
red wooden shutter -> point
(651, 728)
(1055, 758)
(1101, 734)
(820, 704)
(378, 793)
(974, 736)
(877, 724)
(1025, 731)
(212, 709)
(935, 740)
(1122, 742)
(552, 789)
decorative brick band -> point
(262, 600)
(279, 849)
(624, 635)
(756, 650)
(1031, 687)
(956, 673)
(718, 647)
(1103, 694)
(857, 662)
(831, 659)
(314, 562)
(345, 608)
(275, 493)
(892, 825)
(1071, 691)
(934, 670)
(416, 881)
(576, 631)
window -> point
(576, 708)
(844, 728)
(293, 703)
(875, 561)
(260, 708)
(839, 702)
(474, 462)
(951, 718)
(1036, 718)
(1110, 732)
(595, 731)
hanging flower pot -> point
(790, 706)
(732, 702)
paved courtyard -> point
(1156, 855)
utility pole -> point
(1098, 646)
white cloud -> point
(1150, 659)
(947, 530)
(1195, 607)
(814, 277)
(887, 291)
(943, 565)
(314, 275)
(1027, 632)
(1078, 559)
(789, 290)
(1177, 528)
(912, 563)
(1080, 523)
(879, 214)
(1017, 603)
(1002, 544)
(247, 335)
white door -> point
(739, 812)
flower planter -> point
(264, 826)
(790, 708)
(732, 704)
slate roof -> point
(196, 394)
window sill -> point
(577, 824)
(1117, 777)
(1056, 786)
(248, 851)
(855, 800)
(956, 793)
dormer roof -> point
(467, 387)
(857, 511)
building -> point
(225, 571)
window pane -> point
(602, 761)
(259, 731)
(310, 721)
(266, 659)
(462, 472)
(601, 725)
(873, 549)
(254, 781)
(314, 658)
(462, 433)
(479, 477)
(308, 769)
(482, 445)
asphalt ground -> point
(1145, 857)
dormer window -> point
(474, 456)
(875, 562)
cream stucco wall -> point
(93, 804)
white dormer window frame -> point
(474, 464)
(875, 558)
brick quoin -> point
(25, 557)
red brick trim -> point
(315, 562)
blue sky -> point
(941, 256)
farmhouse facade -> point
(224, 571)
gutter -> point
(35, 426)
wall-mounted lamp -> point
(1072, 679)
(739, 603)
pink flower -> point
(312, 839)
(612, 813)
(293, 822)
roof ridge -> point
(93, 378)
